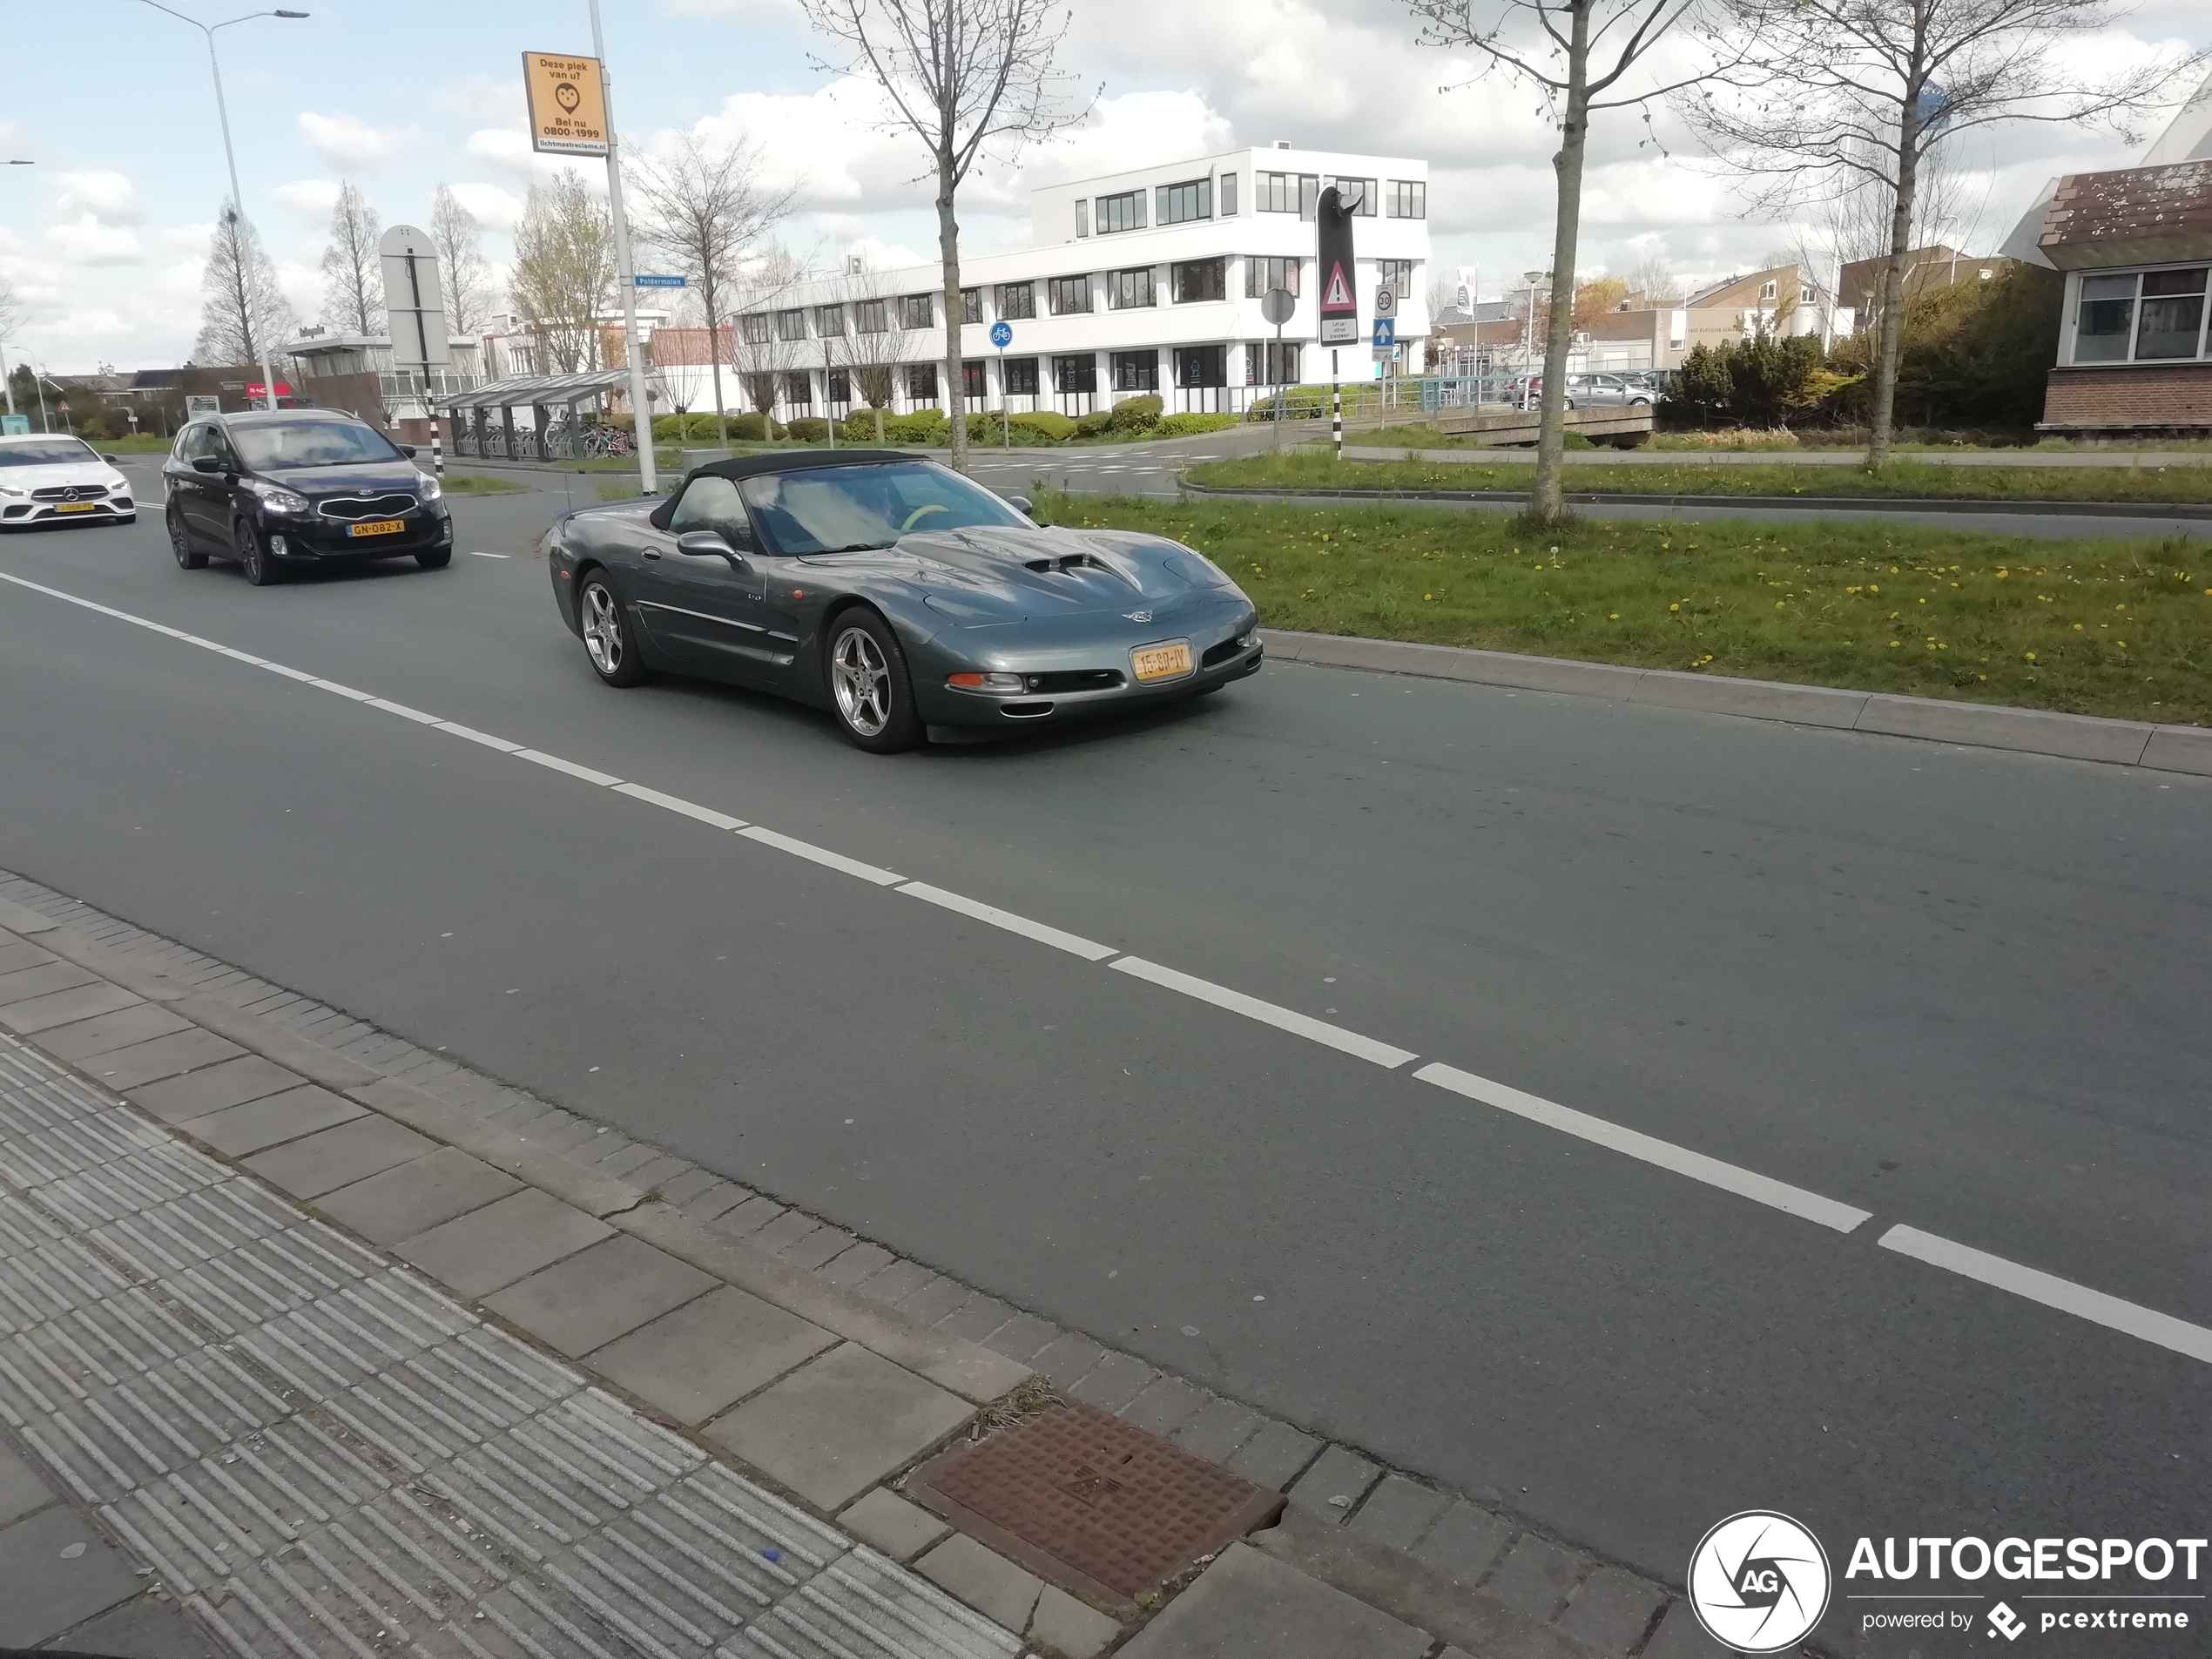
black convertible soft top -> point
(754, 466)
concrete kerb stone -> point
(587, 1189)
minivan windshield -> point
(47, 452)
(274, 445)
(871, 504)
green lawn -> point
(478, 483)
(2121, 627)
(1313, 468)
(138, 443)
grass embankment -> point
(138, 443)
(2118, 628)
(1316, 470)
(478, 483)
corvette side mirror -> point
(1021, 504)
(708, 545)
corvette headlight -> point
(431, 488)
(276, 498)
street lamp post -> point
(1529, 336)
(626, 274)
(223, 114)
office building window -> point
(1068, 295)
(1122, 212)
(921, 382)
(840, 385)
(1082, 218)
(1179, 203)
(918, 311)
(1136, 371)
(1022, 376)
(869, 317)
(791, 325)
(2148, 316)
(1363, 190)
(1075, 374)
(1263, 272)
(1202, 365)
(1275, 192)
(971, 305)
(1309, 194)
(1227, 191)
(971, 379)
(1017, 300)
(754, 327)
(1407, 198)
(1201, 280)
(1127, 288)
(799, 390)
(1269, 364)
(1397, 275)
(829, 321)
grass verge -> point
(2116, 628)
(1311, 470)
(478, 483)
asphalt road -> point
(1962, 990)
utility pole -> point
(626, 274)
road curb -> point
(1982, 725)
(1761, 503)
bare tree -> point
(962, 75)
(353, 267)
(11, 310)
(564, 270)
(705, 207)
(458, 237)
(242, 312)
(876, 341)
(1829, 98)
(1580, 55)
(1654, 279)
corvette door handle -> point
(650, 553)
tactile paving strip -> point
(1092, 1503)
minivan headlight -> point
(430, 488)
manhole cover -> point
(1093, 1504)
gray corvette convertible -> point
(897, 595)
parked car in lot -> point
(50, 478)
(1606, 392)
(895, 594)
(289, 489)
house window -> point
(971, 305)
(791, 325)
(971, 379)
(869, 317)
(1200, 279)
(1068, 295)
(1805, 295)
(1021, 377)
(1364, 189)
(1766, 291)
(1269, 364)
(829, 321)
(1082, 218)
(1128, 288)
(1406, 199)
(1275, 192)
(1227, 191)
(1017, 300)
(2172, 323)
(1122, 212)
(1179, 203)
(921, 382)
(754, 326)
(1263, 272)
(916, 311)
(1202, 365)
(799, 390)
(1075, 374)
(2106, 320)
(1397, 275)
(1136, 371)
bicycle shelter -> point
(553, 414)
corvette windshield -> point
(47, 452)
(310, 443)
(844, 509)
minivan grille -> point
(357, 507)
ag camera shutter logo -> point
(1758, 1581)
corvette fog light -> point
(984, 682)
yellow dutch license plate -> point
(377, 527)
(73, 507)
(1161, 662)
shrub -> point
(1186, 426)
(1139, 414)
(808, 428)
(1094, 424)
(990, 429)
(923, 425)
(1055, 426)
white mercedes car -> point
(50, 478)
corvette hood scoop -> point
(985, 575)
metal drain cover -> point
(1091, 1503)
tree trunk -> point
(714, 361)
(948, 250)
(1889, 330)
(1548, 495)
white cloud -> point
(107, 198)
(496, 209)
(312, 199)
(84, 241)
(348, 141)
(481, 97)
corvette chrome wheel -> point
(861, 680)
(601, 633)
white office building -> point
(1148, 281)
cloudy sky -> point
(103, 238)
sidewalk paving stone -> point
(228, 1083)
(746, 1220)
(21, 1489)
(892, 1281)
(145, 1063)
(34, 1013)
(976, 1317)
(337, 1158)
(1022, 1338)
(690, 1183)
(655, 1173)
(1166, 1406)
(839, 1425)
(1611, 1610)
(635, 1155)
(85, 1038)
(51, 974)
(1680, 1637)
(491, 1248)
(713, 1203)
(1116, 1380)
(1249, 1605)
(1464, 1542)
(1067, 1359)
(17, 954)
(1217, 1428)
(856, 1263)
(1075, 1629)
(1337, 1474)
(44, 1590)
(1535, 1576)
(705, 1356)
(1399, 1512)
(415, 1197)
(143, 1628)
(1274, 1456)
(985, 1579)
(271, 1120)
(609, 1290)
(788, 1228)
(886, 1521)
(937, 1298)
(817, 1248)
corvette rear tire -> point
(180, 543)
(607, 638)
(871, 693)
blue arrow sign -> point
(1001, 334)
(657, 281)
(1385, 333)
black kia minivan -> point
(283, 489)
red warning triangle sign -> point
(1338, 294)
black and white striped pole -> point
(437, 444)
(1336, 408)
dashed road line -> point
(1283, 1019)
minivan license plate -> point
(377, 527)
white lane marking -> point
(474, 555)
(1730, 1177)
(1282, 1019)
(289, 673)
(1074, 944)
(677, 803)
(881, 877)
(405, 713)
(343, 691)
(605, 780)
(485, 738)
(2127, 1317)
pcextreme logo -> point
(1758, 1581)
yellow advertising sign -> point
(568, 104)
